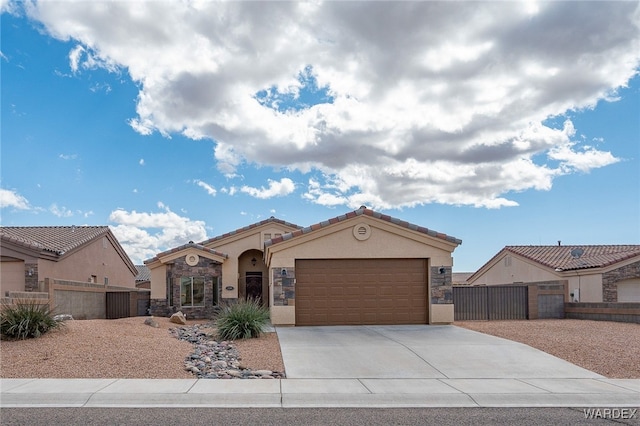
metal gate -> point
(118, 304)
(491, 302)
(144, 304)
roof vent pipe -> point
(559, 243)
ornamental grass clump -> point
(242, 320)
(24, 320)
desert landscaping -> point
(127, 348)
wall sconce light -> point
(253, 261)
(283, 272)
(31, 272)
(442, 270)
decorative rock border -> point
(216, 360)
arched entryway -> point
(253, 281)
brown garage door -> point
(361, 291)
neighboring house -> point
(79, 270)
(143, 279)
(460, 278)
(71, 253)
(359, 268)
(595, 273)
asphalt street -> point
(304, 416)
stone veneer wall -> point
(611, 278)
(284, 287)
(211, 271)
(161, 308)
(441, 286)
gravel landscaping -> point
(127, 348)
(608, 348)
(124, 348)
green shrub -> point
(25, 320)
(242, 320)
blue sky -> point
(186, 121)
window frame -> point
(189, 298)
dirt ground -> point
(608, 348)
(127, 348)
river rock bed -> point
(213, 359)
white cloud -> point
(585, 160)
(9, 198)
(74, 57)
(276, 189)
(230, 190)
(85, 58)
(68, 156)
(141, 162)
(210, 189)
(8, 6)
(60, 211)
(417, 108)
(143, 235)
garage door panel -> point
(361, 291)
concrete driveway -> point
(413, 352)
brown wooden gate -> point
(118, 304)
(508, 302)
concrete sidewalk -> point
(364, 366)
(320, 393)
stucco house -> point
(594, 273)
(362, 267)
(71, 253)
(77, 270)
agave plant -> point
(27, 319)
(242, 320)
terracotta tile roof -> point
(55, 239)
(578, 256)
(367, 212)
(248, 227)
(566, 257)
(190, 244)
(144, 273)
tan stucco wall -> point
(518, 271)
(158, 281)
(283, 315)
(235, 245)
(590, 287)
(385, 242)
(338, 241)
(11, 276)
(441, 314)
(98, 258)
(629, 290)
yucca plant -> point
(26, 319)
(242, 320)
